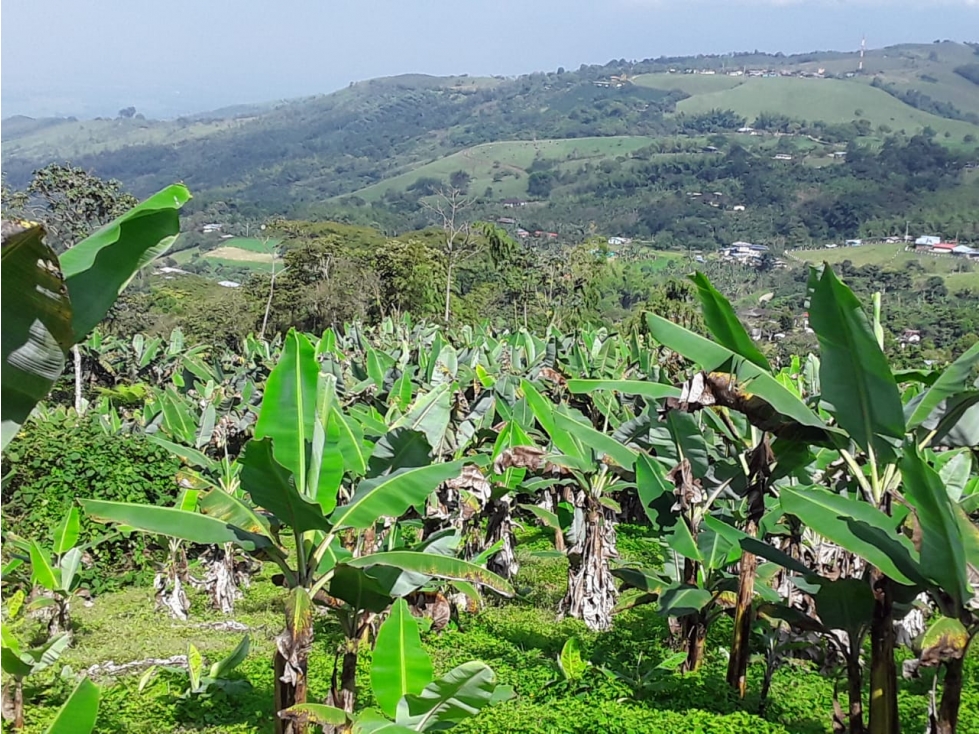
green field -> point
(239, 252)
(829, 100)
(75, 138)
(252, 244)
(926, 68)
(895, 257)
(689, 83)
(510, 159)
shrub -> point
(56, 460)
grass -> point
(74, 139)
(238, 255)
(890, 255)
(689, 83)
(508, 160)
(252, 244)
(519, 639)
(830, 100)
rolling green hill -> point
(829, 100)
(957, 272)
(385, 134)
(502, 166)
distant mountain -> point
(294, 154)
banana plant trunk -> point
(737, 669)
(13, 702)
(558, 532)
(854, 683)
(591, 586)
(291, 661)
(948, 709)
(883, 669)
(288, 691)
(693, 627)
(343, 688)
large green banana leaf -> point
(724, 324)
(854, 373)
(391, 494)
(47, 306)
(435, 565)
(857, 527)
(953, 380)
(288, 410)
(174, 523)
(455, 697)
(647, 389)
(37, 331)
(272, 487)
(100, 266)
(400, 664)
(943, 557)
(79, 712)
(753, 381)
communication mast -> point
(863, 49)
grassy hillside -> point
(926, 68)
(958, 273)
(387, 133)
(502, 166)
(53, 139)
(829, 100)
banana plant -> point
(304, 449)
(50, 304)
(224, 570)
(408, 696)
(595, 463)
(199, 683)
(860, 415)
(54, 570)
(19, 663)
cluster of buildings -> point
(935, 246)
(538, 233)
(745, 253)
(714, 199)
(766, 73)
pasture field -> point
(238, 255)
(509, 159)
(954, 270)
(252, 244)
(71, 139)
(830, 100)
(690, 83)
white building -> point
(928, 240)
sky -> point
(68, 57)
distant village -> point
(617, 82)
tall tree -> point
(460, 242)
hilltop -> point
(591, 145)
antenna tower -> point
(863, 49)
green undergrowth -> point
(520, 639)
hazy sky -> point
(179, 56)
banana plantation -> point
(389, 491)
